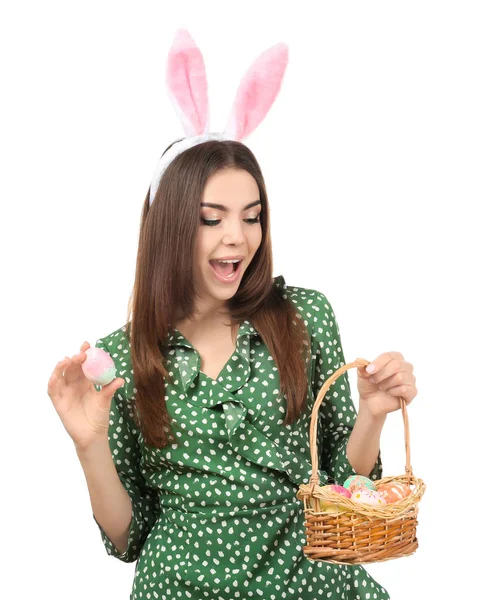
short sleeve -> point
(125, 450)
(337, 412)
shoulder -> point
(312, 305)
(116, 342)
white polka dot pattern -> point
(215, 515)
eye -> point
(211, 223)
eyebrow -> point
(224, 208)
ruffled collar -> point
(188, 358)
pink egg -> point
(339, 489)
(98, 366)
(331, 507)
(366, 496)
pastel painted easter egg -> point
(355, 482)
(338, 489)
(331, 507)
(394, 491)
(366, 496)
(98, 366)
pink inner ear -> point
(257, 91)
(187, 82)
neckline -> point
(176, 337)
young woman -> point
(193, 456)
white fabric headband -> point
(187, 84)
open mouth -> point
(226, 271)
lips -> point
(234, 257)
(233, 276)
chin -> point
(224, 291)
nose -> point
(233, 233)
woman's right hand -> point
(83, 410)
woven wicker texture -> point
(358, 533)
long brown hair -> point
(164, 280)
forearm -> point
(364, 442)
(110, 502)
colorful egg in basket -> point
(333, 506)
(394, 491)
(366, 496)
(364, 529)
(355, 482)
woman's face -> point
(229, 228)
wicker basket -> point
(358, 533)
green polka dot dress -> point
(215, 516)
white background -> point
(374, 157)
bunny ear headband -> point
(187, 84)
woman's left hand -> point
(380, 390)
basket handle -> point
(359, 362)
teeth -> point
(229, 261)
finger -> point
(80, 357)
(109, 389)
(73, 371)
(407, 392)
(56, 380)
(363, 372)
(62, 366)
(402, 377)
(378, 363)
(382, 360)
(394, 366)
